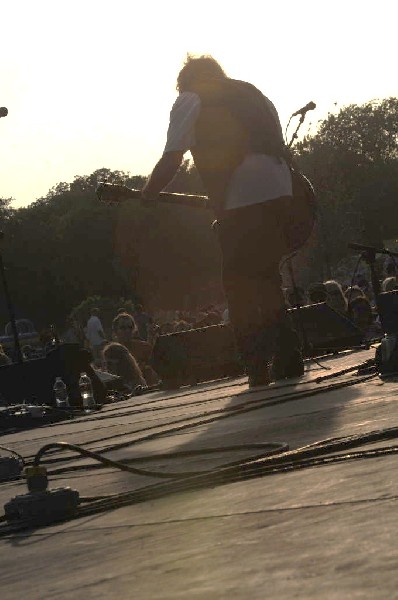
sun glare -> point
(89, 86)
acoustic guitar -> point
(300, 214)
(113, 194)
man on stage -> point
(234, 135)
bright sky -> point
(90, 83)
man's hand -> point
(162, 174)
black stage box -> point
(187, 357)
(388, 306)
(323, 329)
(33, 380)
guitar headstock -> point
(112, 193)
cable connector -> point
(41, 506)
(36, 478)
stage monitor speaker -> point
(33, 380)
(203, 354)
(324, 329)
(388, 306)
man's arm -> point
(180, 138)
(162, 174)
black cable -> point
(239, 470)
(131, 411)
(316, 454)
(191, 452)
(241, 408)
(222, 413)
(291, 461)
(21, 458)
(191, 417)
(272, 448)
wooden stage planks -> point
(326, 532)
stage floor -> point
(325, 532)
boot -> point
(288, 360)
(256, 351)
(259, 375)
(287, 366)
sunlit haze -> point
(89, 84)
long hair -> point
(200, 68)
(123, 364)
(124, 317)
(335, 296)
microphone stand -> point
(10, 307)
(294, 136)
(17, 346)
(307, 347)
(298, 305)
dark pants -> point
(253, 242)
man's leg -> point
(255, 336)
(253, 244)
(251, 254)
(288, 358)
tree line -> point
(67, 246)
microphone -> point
(3, 111)
(306, 108)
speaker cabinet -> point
(187, 357)
(33, 380)
(322, 329)
(388, 305)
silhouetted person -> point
(96, 336)
(235, 138)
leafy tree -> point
(60, 250)
(6, 212)
(353, 162)
(67, 246)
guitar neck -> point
(191, 200)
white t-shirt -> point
(260, 177)
(94, 326)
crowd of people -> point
(125, 348)
(128, 350)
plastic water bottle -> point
(86, 391)
(61, 393)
